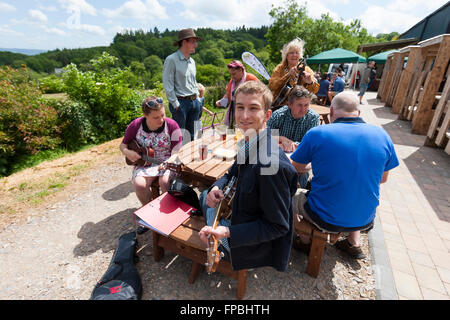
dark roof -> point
(383, 46)
(433, 25)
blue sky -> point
(51, 24)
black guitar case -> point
(121, 281)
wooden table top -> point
(322, 111)
(209, 170)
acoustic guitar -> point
(280, 100)
(223, 209)
(147, 158)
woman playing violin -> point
(162, 135)
(287, 70)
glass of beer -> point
(203, 151)
(222, 131)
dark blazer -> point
(261, 228)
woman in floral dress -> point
(163, 135)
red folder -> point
(164, 214)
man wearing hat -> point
(180, 84)
(238, 76)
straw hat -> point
(185, 34)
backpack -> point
(121, 281)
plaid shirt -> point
(293, 129)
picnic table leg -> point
(242, 284)
(158, 252)
(315, 255)
(195, 271)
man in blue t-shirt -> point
(349, 160)
(338, 86)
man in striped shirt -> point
(293, 121)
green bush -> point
(27, 122)
(109, 94)
(210, 75)
(51, 84)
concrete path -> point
(414, 214)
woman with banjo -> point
(290, 72)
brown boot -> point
(352, 251)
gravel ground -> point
(61, 251)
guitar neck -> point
(151, 160)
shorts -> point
(299, 200)
(362, 89)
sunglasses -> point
(153, 104)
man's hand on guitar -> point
(220, 232)
(214, 197)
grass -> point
(29, 161)
(35, 193)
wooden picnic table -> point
(322, 111)
(202, 173)
(205, 172)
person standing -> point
(238, 76)
(287, 71)
(365, 79)
(180, 84)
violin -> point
(280, 100)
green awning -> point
(381, 57)
(337, 55)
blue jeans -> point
(188, 112)
(209, 217)
(362, 89)
(303, 179)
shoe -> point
(141, 230)
(352, 251)
(298, 245)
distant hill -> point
(28, 52)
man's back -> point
(338, 85)
(348, 160)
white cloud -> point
(78, 6)
(37, 16)
(7, 31)
(397, 15)
(387, 20)
(5, 7)
(90, 29)
(139, 10)
(55, 31)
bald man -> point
(349, 160)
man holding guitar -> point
(148, 142)
(259, 232)
(287, 74)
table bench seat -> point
(186, 242)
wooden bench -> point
(186, 242)
(318, 241)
